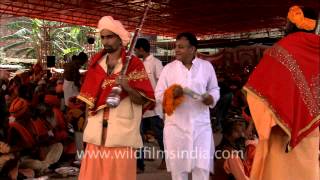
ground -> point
(151, 171)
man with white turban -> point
(113, 134)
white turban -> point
(115, 26)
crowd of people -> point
(37, 126)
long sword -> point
(113, 100)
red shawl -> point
(97, 84)
(288, 79)
(27, 137)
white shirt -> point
(153, 67)
(189, 127)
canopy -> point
(166, 17)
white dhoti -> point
(197, 173)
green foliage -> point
(32, 34)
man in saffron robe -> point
(110, 131)
(284, 100)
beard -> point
(110, 49)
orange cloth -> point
(170, 103)
(52, 100)
(271, 162)
(296, 16)
(113, 163)
(59, 117)
(234, 166)
(27, 137)
(61, 130)
(40, 129)
(250, 153)
(18, 107)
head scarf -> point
(296, 16)
(18, 107)
(52, 100)
(115, 26)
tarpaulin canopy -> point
(166, 17)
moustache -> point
(109, 49)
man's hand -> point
(207, 99)
(177, 92)
(122, 80)
(134, 94)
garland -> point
(169, 102)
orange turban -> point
(115, 26)
(18, 107)
(52, 100)
(296, 16)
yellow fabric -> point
(93, 131)
(123, 126)
(271, 162)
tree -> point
(31, 36)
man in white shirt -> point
(188, 138)
(153, 118)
